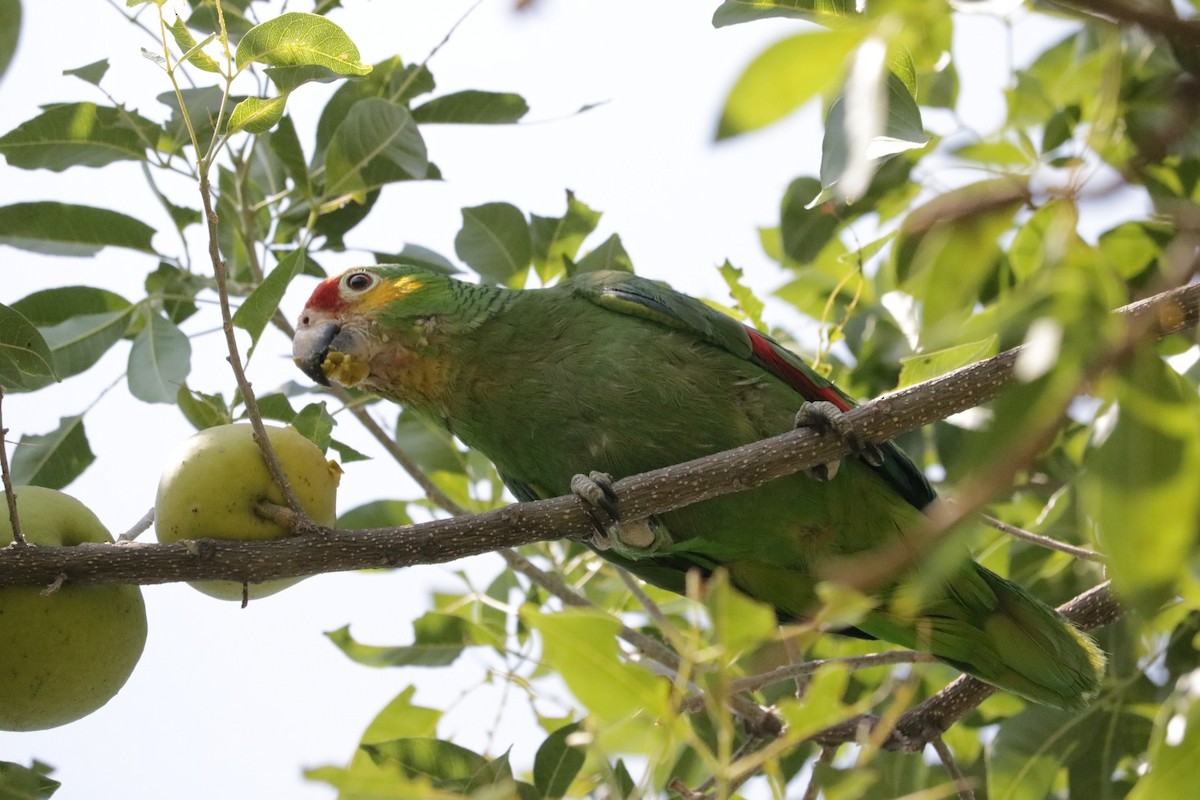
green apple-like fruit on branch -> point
(65, 653)
(211, 483)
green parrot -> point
(609, 374)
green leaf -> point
(92, 73)
(70, 230)
(419, 256)
(472, 107)
(376, 143)
(18, 782)
(295, 39)
(822, 705)
(1133, 247)
(159, 361)
(53, 459)
(286, 145)
(431, 446)
(556, 240)
(175, 290)
(79, 342)
(806, 230)
(438, 640)
(257, 114)
(25, 357)
(609, 255)
(557, 763)
(203, 410)
(739, 623)
(187, 46)
(783, 77)
(204, 106)
(376, 514)
(79, 135)
(288, 78)
(256, 310)
(389, 80)
(276, 406)
(494, 241)
(51, 306)
(447, 764)
(401, 719)
(1026, 755)
(346, 453)
(924, 366)
(822, 12)
(581, 645)
(316, 423)
(1173, 768)
(902, 130)
(10, 28)
(743, 297)
(1139, 484)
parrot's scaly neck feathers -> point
(428, 315)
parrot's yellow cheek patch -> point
(345, 368)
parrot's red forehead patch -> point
(327, 296)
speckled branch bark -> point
(524, 523)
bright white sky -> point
(233, 703)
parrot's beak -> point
(310, 346)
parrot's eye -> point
(359, 281)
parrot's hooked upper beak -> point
(329, 348)
(311, 344)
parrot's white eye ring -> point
(359, 281)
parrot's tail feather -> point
(993, 629)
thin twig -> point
(757, 718)
(787, 672)
(961, 784)
(9, 494)
(635, 587)
(139, 527)
(234, 358)
(746, 748)
(1043, 541)
(813, 790)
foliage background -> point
(218, 683)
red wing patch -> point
(767, 354)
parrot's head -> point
(371, 325)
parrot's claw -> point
(600, 502)
(828, 418)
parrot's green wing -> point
(628, 294)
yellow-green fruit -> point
(65, 654)
(210, 485)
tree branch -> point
(654, 492)
(1161, 19)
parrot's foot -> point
(599, 501)
(825, 417)
(601, 504)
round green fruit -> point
(65, 654)
(212, 482)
